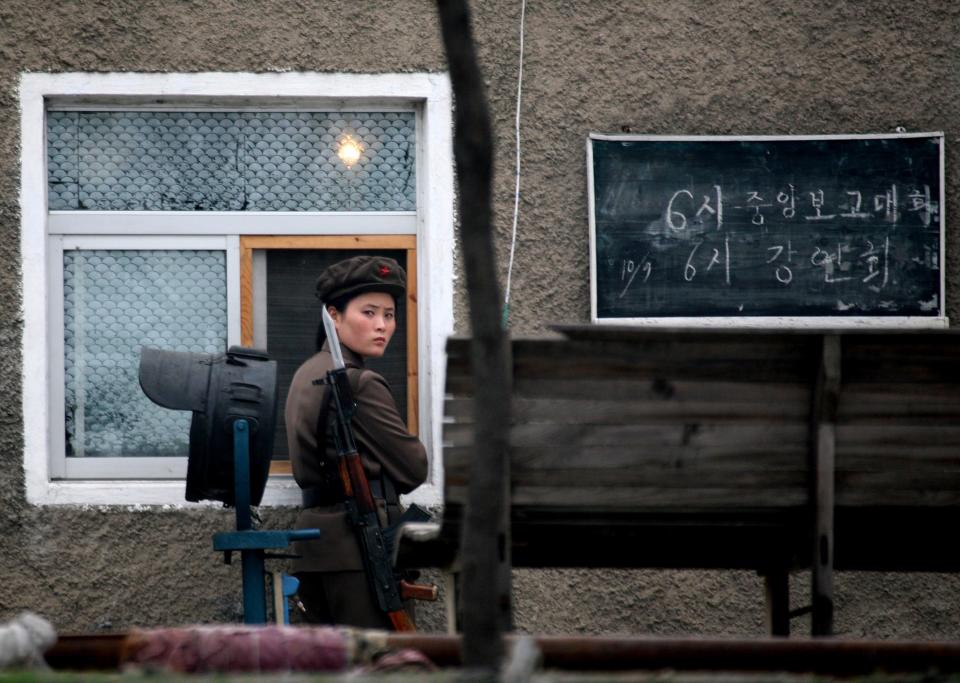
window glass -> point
(116, 301)
(230, 161)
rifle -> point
(387, 588)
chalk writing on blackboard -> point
(767, 227)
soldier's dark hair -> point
(339, 303)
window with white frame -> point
(198, 220)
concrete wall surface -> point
(676, 67)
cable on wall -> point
(516, 193)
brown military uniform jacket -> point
(383, 441)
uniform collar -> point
(350, 358)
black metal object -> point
(219, 389)
(233, 398)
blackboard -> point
(828, 227)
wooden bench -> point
(762, 450)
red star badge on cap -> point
(384, 271)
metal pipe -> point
(767, 654)
(609, 653)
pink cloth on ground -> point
(200, 649)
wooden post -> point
(823, 450)
(777, 584)
(485, 544)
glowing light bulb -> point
(349, 151)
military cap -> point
(361, 274)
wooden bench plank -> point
(694, 446)
(650, 497)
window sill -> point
(280, 492)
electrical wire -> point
(516, 194)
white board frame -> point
(820, 322)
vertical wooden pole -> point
(485, 545)
(823, 451)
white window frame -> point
(123, 468)
(44, 235)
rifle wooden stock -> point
(401, 621)
(355, 483)
(345, 477)
(418, 591)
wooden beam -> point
(413, 353)
(328, 241)
(246, 293)
(823, 456)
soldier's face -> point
(367, 324)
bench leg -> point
(450, 602)
(777, 583)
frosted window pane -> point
(116, 301)
(229, 161)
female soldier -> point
(361, 295)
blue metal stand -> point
(252, 544)
(290, 586)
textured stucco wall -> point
(690, 67)
(683, 67)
